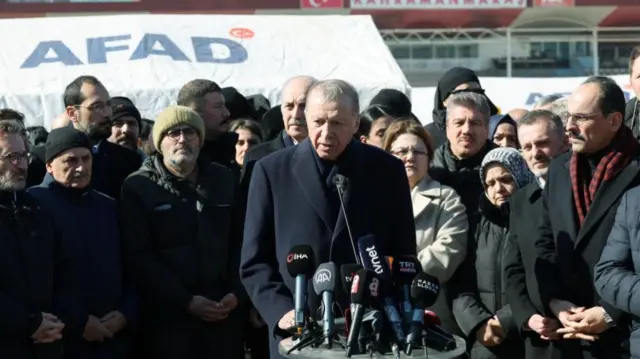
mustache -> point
(297, 122)
(575, 136)
(186, 148)
(77, 175)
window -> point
(445, 52)
(563, 51)
(583, 48)
(400, 51)
(468, 51)
(422, 52)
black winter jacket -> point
(481, 293)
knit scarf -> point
(622, 148)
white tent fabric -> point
(149, 57)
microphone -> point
(425, 289)
(404, 270)
(347, 272)
(300, 265)
(375, 261)
(342, 183)
(433, 336)
(324, 283)
(360, 291)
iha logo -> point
(296, 256)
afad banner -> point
(511, 93)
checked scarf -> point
(623, 147)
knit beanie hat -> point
(396, 103)
(512, 160)
(123, 106)
(174, 116)
(63, 139)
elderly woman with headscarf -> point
(503, 131)
(479, 304)
(456, 80)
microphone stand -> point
(340, 189)
(307, 338)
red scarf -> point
(622, 148)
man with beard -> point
(126, 123)
(88, 106)
(36, 276)
(182, 236)
(88, 225)
(205, 97)
(456, 164)
(541, 135)
(579, 203)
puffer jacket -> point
(481, 294)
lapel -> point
(426, 191)
(277, 144)
(565, 202)
(607, 195)
(306, 173)
(349, 168)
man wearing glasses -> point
(182, 233)
(88, 106)
(35, 274)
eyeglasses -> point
(404, 152)
(98, 107)
(579, 118)
(188, 132)
(16, 158)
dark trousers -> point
(257, 341)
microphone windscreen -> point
(324, 280)
(425, 289)
(360, 286)
(340, 181)
(405, 269)
(431, 318)
(300, 261)
(372, 259)
(347, 271)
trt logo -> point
(407, 267)
(296, 256)
(373, 287)
(355, 283)
(322, 276)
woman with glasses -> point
(439, 215)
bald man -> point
(294, 93)
(518, 113)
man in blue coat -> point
(88, 225)
(292, 202)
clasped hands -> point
(211, 311)
(577, 322)
(98, 329)
(49, 331)
(491, 333)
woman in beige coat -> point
(440, 217)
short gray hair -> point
(312, 80)
(546, 100)
(337, 91)
(470, 100)
(538, 116)
(560, 107)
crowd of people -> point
(124, 237)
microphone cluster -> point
(388, 301)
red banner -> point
(321, 4)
